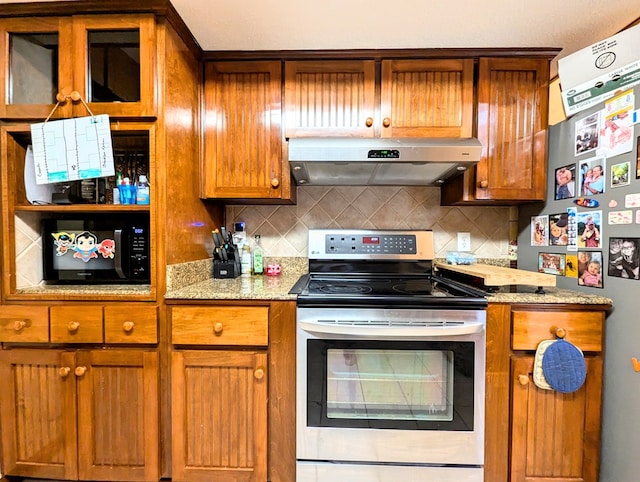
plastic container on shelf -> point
(142, 190)
(127, 192)
(461, 257)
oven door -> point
(390, 395)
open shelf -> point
(83, 208)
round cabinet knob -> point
(386, 122)
(560, 332)
(19, 325)
(217, 328)
(73, 326)
(64, 372)
(369, 122)
(523, 379)
(259, 374)
(275, 182)
(80, 371)
(127, 326)
(62, 98)
(484, 184)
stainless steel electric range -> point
(390, 363)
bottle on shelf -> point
(116, 189)
(142, 190)
(258, 256)
(245, 260)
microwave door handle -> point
(382, 332)
(118, 257)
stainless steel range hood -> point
(349, 161)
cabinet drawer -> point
(130, 324)
(583, 329)
(220, 325)
(24, 324)
(76, 324)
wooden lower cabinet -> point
(219, 416)
(554, 436)
(233, 391)
(219, 393)
(532, 434)
(88, 415)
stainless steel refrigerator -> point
(584, 141)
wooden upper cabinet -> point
(414, 98)
(243, 140)
(427, 98)
(512, 116)
(512, 127)
(330, 98)
(110, 60)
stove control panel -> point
(363, 244)
(385, 244)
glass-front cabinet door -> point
(109, 60)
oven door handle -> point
(386, 331)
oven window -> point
(399, 385)
(390, 384)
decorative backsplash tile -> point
(28, 250)
(283, 229)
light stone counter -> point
(192, 281)
(260, 287)
(527, 294)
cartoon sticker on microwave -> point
(107, 248)
(84, 245)
(63, 242)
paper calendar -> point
(72, 149)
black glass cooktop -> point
(424, 291)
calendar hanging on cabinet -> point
(72, 149)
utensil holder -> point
(225, 269)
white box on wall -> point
(595, 73)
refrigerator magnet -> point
(586, 202)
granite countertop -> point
(188, 283)
(256, 287)
(527, 294)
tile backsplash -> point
(28, 250)
(283, 229)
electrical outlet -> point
(464, 241)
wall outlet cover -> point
(464, 241)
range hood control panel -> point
(383, 154)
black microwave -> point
(96, 249)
